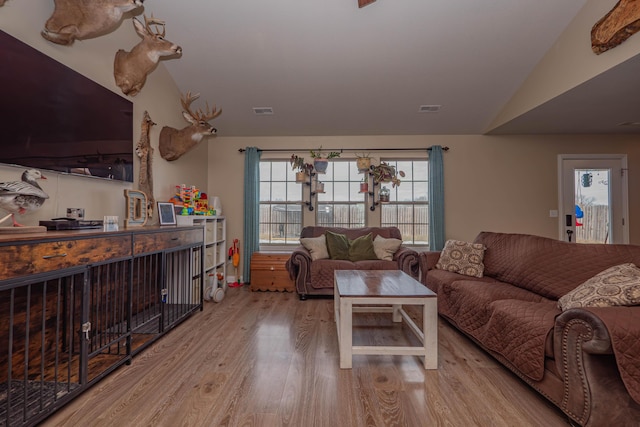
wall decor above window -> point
(615, 27)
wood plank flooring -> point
(267, 359)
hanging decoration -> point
(615, 27)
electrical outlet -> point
(553, 213)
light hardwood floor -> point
(268, 359)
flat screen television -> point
(53, 118)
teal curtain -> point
(251, 242)
(436, 199)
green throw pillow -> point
(338, 245)
(361, 248)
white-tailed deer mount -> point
(84, 19)
(2, 2)
(144, 151)
(619, 24)
(130, 69)
(174, 143)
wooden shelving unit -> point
(215, 241)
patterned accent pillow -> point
(317, 247)
(618, 285)
(462, 257)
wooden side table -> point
(268, 272)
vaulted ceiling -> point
(327, 67)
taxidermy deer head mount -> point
(174, 143)
(84, 19)
(2, 2)
(130, 69)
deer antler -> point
(206, 115)
(157, 23)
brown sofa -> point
(584, 360)
(316, 277)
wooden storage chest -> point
(268, 272)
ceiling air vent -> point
(429, 108)
(263, 111)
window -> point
(342, 204)
(408, 207)
(280, 204)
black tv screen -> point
(53, 118)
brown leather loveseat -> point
(586, 360)
(315, 277)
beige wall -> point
(569, 63)
(94, 59)
(493, 183)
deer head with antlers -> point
(74, 19)
(174, 143)
(130, 69)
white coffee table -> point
(384, 291)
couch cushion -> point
(468, 302)
(385, 248)
(617, 285)
(317, 247)
(337, 245)
(462, 257)
(519, 331)
(352, 233)
(375, 264)
(547, 266)
(321, 271)
(361, 248)
(436, 278)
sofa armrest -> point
(299, 268)
(583, 328)
(427, 260)
(407, 260)
(586, 363)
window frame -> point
(355, 199)
(290, 238)
(413, 178)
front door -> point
(593, 198)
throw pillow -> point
(361, 248)
(385, 248)
(618, 285)
(462, 257)
(317, 247)
(337, 245)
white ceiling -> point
(329, 68)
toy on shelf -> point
(192, 201)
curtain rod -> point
(341, 150)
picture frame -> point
(166, 213)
